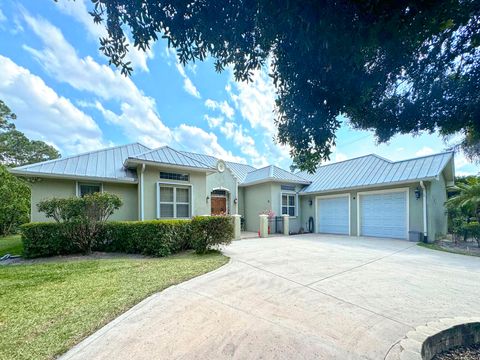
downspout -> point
(236, 196)
(424, 197)
(142, 215)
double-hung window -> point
(174, 201)
(289, 202)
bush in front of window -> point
(211, 231)
(83, 216)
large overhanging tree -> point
(388, 66)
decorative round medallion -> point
(220, 166)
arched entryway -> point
(220, 200)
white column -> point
(286, 224)
(236, 226)
(263, 225)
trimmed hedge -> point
(47, 239)
(154, 238)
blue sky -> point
(65, 93)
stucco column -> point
(236, 226)
(286, 224)
(263, 225)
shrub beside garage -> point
(153, 238)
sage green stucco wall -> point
(436, 212)
(199, 190)
(241, 201)
(226, 181)
(415, 207)
(128, 194)
(49, 188)
(258, 198)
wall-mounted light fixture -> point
(208, 198)
(310, 202)
(417, 193)
(235, 201)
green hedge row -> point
(154, 238)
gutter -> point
(71, 177)
(424, 198)
(142, 215)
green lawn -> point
(11, 244)
(47, 308)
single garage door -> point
(333, 215)
(384, 214)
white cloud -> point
(223, 106)
(3, 18)
(198, 140)
(213, 121)
(79, 11)
(246, 143)
(187, 83)
(424, 151)
(137, 115)
(256, 101)
(43, 114)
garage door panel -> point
(384, 214)
(333, 215)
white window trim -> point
(373, 192)
(78, 183)
(175, 185)
(286, 192)
(330, 197)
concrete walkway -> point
(298, 297)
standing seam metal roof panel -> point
(373, 170)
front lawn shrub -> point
(47, 239)
(85, 216)
(473, 230)
(155, 238)
(211, 231)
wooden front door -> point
(219, 205)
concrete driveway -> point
(298, 297)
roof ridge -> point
(78, 155)
(172, 149)
(342, 161)
(425, 156)
(228, 161)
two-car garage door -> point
(380, 214)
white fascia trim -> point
(405, 189)
(73, 177)
(321, 197)
(171, 166)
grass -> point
(11, 244)
(452, 251)
(46, 308)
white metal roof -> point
(167, 155)
(372, 170)
(273, 173)
(104, 164)
(240, 171)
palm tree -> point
(467, 198)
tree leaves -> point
(391, 67)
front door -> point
(219, 205)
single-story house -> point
(368, 195)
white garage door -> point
(384, 215)
(333, 215)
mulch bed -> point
(470, 247)
(463, 353)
